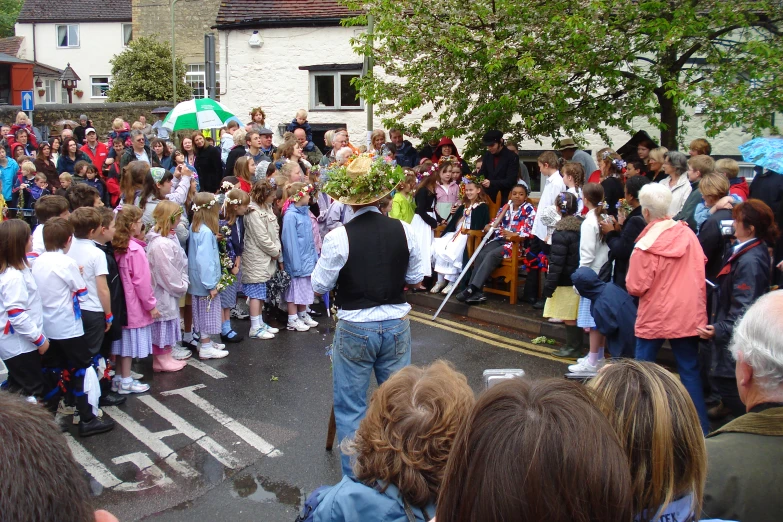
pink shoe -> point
(166, 363)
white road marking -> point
(93, 466)
(185, 428)
(152, 440)
(215, 374)
(241, 431)
(153, 476)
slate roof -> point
(84, 11)
(281, 13)
(11, 45)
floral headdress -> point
(208, 205)
(226, 186)
(469, 178)
(307, 190)
(363, 180)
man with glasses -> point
(339, 141)
(267, 149)
(139, 151)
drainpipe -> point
(173, 58)
(370, 65)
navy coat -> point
(613, 310)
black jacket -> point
(746, 281)
(129, 156)
(564, 255)
(502, 177)
(714, 244)
(407, 155)
(209, 167)
(425, 202)
(621, 244)
(613, 191)
(768, 187)
(237, 152)
(118, 309)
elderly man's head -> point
(339, 141)
(758, 348)
(137, 140)
(655, 200)
(301, 137)
(66, 133)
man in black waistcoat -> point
(368, 261)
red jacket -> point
(739, 187)
(666, 272)
(101, 153)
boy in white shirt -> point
(46, 208)
(61, 288)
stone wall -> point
(192, 20)
(101, 114)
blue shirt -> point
(7, 175)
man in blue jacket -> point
(406, 154)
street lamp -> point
(69, 80)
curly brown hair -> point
(123, 222)
(261, 191)
(409, 430)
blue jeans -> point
(686, 354)
(358, 350)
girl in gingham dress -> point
(299, 256)
(140, 299)
(169, 268)
(234, 208)
(204, 273)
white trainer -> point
(260, 333)
(440, 285)
(133, 387)
(297, 325)
(269, 328)
(211, 352)
(136, 376)
(586, 368)
(115, 383)
(447, 288)
(308, 321)
(180, 354)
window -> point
(196, 75)
(67, 36)
(99, 85)
(51, 90)
(127, 34)
(333, 90)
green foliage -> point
(142, 72)
(9, 12)
(540, 69)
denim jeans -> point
(359, 349)
(686, 354)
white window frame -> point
(51, 86)
(68, 27)
(94, 84)
(124, 43)
(336, 75)
(198, 79)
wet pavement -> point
(243, 438)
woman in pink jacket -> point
(139, 299)
(666, 273)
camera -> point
(495, 376)
(727, 227)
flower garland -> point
(208, 205)
(468, 178)
(384, 175)
(307, 190)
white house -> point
(84, 34)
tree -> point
(142, 72)
(549, 68)
(9, 12)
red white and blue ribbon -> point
(77, 311)
(14, 312)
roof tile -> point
(281, 12)
(75, 11)
(11, 45)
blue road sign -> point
(27, 101)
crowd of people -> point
(135, 248)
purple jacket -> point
(137, 284)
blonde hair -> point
(65, 177)
(118, 124)
(301, 113)
(230, 209)
(28, 167)
(293, 188)
(289, 168)
(714, 186)
(658, 154)
(137, 125)
(704, 164)
(164, 216)
(207, 216)
(40, 177)
(728, 167)
(21, 117)
(659, 429)
(328, 135)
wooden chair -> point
(494, 206)
(508, 269)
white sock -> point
(206, 345)
(301, 315)
(188, 337)
(592, 358)
(127, 380)
(292, 318)
(255, 321)
(441, 278)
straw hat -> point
(364, 180)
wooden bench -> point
(508, 269)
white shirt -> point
(142, 156)
(554, 186)
(38, 243)
(593, 253)
(93, 263)
(58, 280)
(20, 313)
(334, 255)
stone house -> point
(82, 33)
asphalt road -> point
(242, 438)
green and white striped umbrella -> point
(200, 113)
